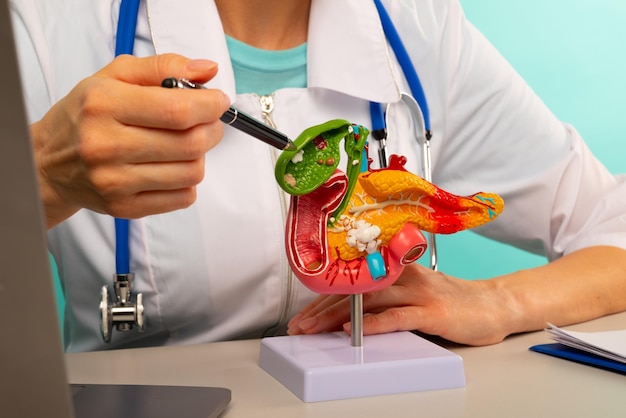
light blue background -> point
(572, 53)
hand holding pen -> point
(116, 147)
(240, 120)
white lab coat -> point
(217, 270)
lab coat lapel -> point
(348, 52)
(347, 49)
(192, 28)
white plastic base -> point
(326, 367)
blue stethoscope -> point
(124, 313)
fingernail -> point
(293, 321)
(308, 323)
(200, 65)
(226, 100)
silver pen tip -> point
(290, 147)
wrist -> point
(521, 312)
(56, 209)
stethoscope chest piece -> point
(122, 312)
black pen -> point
(238, 119)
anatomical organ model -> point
(353, 231)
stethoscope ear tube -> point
(416, 103)
(419, 132)
(423, 138)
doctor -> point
(206, 236)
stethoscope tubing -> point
(418, 105)
(124, 44)
(410, 73)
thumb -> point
(149, 71)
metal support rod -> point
(356, 320)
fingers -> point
(150, 203)
(144, 174)
(121, 144)
(397, 307)
(150, 71)
(332, 312)
(325, 313)
(463, 311)
(129, 90)
(390, 320)
(137, 145)
(157, 107)
(321, 303)
(123, 182)
(378, 319)
(159, 116)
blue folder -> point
(579, 356)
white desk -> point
(504, 380)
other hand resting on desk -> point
(580, 286)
